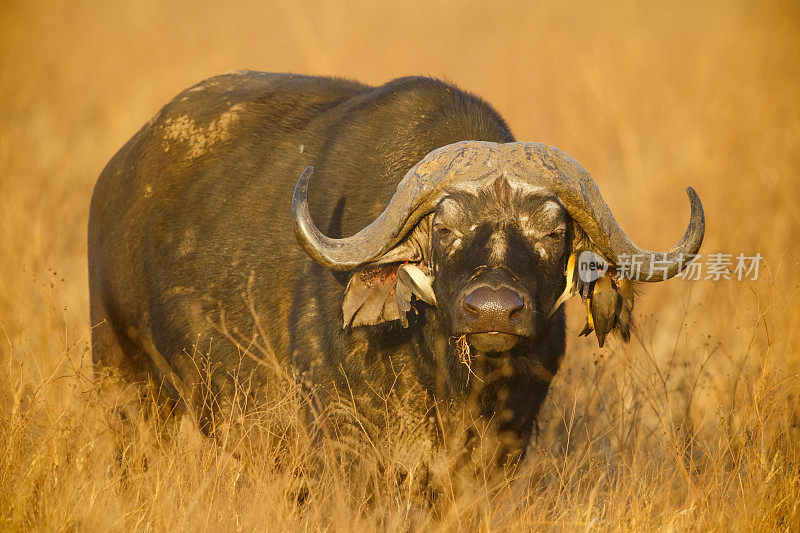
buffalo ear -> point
(370, 296)
(382, 293)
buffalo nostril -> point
(519, 305)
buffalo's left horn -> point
(415, 197)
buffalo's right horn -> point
(576, 190)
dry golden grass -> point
(694, 425)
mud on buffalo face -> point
(483, 232)
(498, 254)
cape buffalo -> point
(442, 252)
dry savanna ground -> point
(693, 425)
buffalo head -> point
(484, 233)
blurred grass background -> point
(695, 424)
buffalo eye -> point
(444, 235)
(556, 235)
